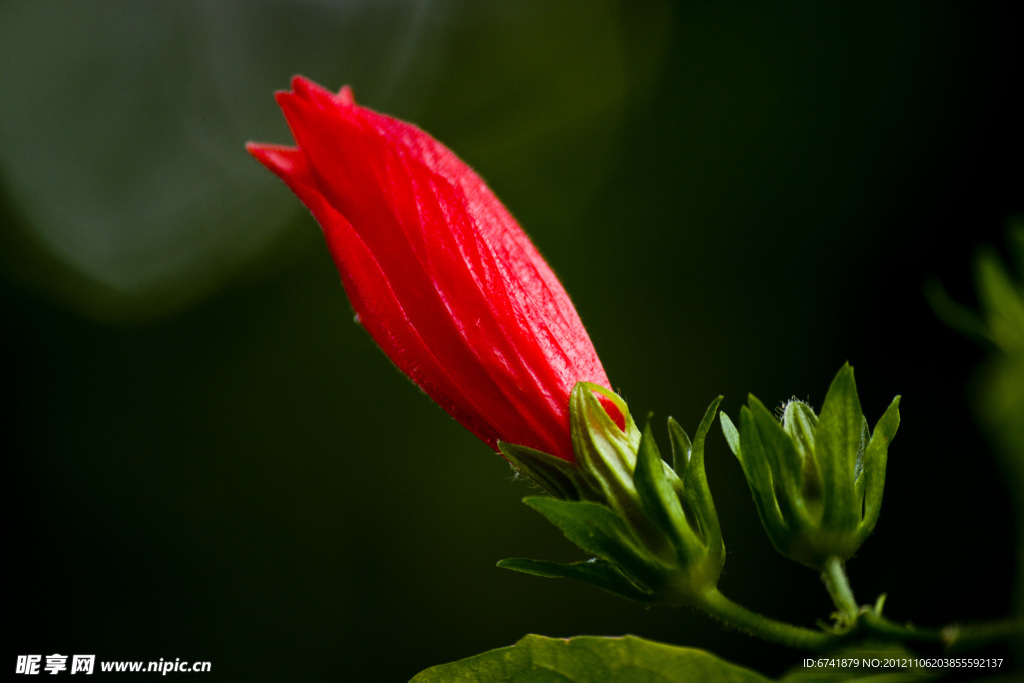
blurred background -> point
(209, 460)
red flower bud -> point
(437, 270)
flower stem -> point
(970, 635)
(867, 621)
(891, 630)
(833, 575)
(952, 636)
(727, 611)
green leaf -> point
(558, 477)
(599, 531)
(585, 659)
(658, 497)
(875, 459)
(838, 440)
(595, 572)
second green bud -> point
(816, 480)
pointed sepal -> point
(840, 442)
(695, 482)
(658, 487)
(596, 572)
(876, 457)
(560, 478)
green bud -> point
(605, 455)
(816, 480)
(653, 529)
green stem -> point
(725, 610)
(833, 575)
(969, 635)
(879, 625)
(952, 636)
(737, 616)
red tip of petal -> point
(304, 87)
(282, 96)
(345, 96)
(277, 158)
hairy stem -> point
(725, 610)
(952, 636)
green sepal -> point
(839, 441)
(964, 320)
(560, 478)
(785, 464)
(695, 482)
(659, 497)
(605, 454)
(1001, 319)
(800, 423)
(1002, 302)
(731, 434)
(600, 531)
(755, 467)
(681, 447)
(595, 571)
(876, 457)
(703, 428)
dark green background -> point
(208, 459)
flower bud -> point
(816, 480)
(652, 527)
(438, 271)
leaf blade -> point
(589, 658)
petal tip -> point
(345, 96)
(278, 158)
(301, 84)
(311, 90)
(256, 150)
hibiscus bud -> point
(449, 286)
(816, 480)
(438, 271)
